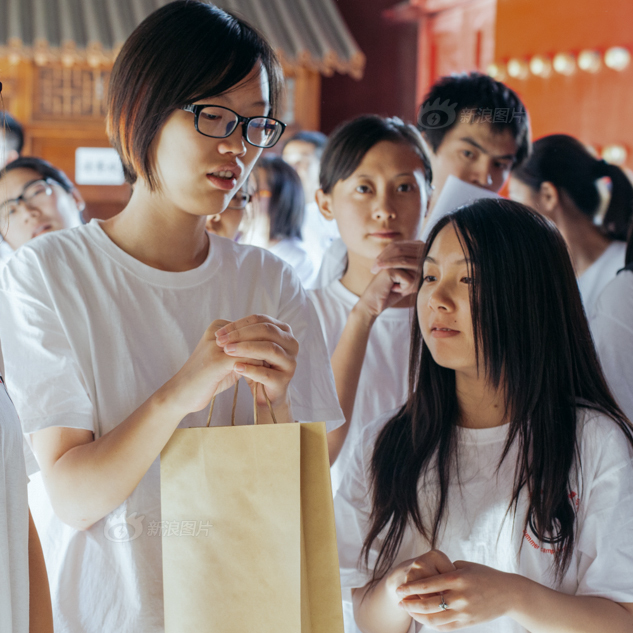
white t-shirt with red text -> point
(476, 528)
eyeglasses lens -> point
(220, 123)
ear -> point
(324, 200)
(215, 218)
(548, 197)
(79, 201)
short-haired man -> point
(477, 129)
(11, 139)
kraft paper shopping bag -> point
(266, 559)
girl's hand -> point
(266, 353)
(385, 290)
(406, 254)
(396, 270)
(473, 593)
(430, 564)
(207, 372)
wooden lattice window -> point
(70, 93)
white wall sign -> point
(98, 166)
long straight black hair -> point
(532, 337)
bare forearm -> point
(543, 610)
(347, 364)
(40, 610)
(377, 611)
(89, 481)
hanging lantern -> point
(615, 154)
(589, 61)
(496, 71)
(518, 69)
(617, 58)
(565, 64)
(541, 66)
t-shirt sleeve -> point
(312, 390)
(42, 372)
(352, 510)
(605, 534)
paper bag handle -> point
(255, 412)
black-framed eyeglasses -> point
(220, 122)
(240, 200)
(31, 194)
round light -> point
(617, 58)
(589, 61)
(496, 71)
(518, 69)
(565, 64)
(540, 66)
(615, 154)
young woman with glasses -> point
(236, 218)
(35, 198)
(119, 331)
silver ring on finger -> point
(443, 604)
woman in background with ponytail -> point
(559, 180)
(612, 332)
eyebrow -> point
(468, 139)
(404, 173)
(459, 262)
(28, 184)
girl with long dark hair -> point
(499, 498)
(560, 180)
(117, 332)
(279, 213)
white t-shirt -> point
(318, 233)
(333, 265)
(612, 329)
(14, 523)
(477, 530)
(293, 252)
(592, 282)
(91, 333)
(383, 382)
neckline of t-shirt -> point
(491, 435)
(149, 274)
(350, 300)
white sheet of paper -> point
(455, 193)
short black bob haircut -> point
(482, 97)
(286, 205)
(350, 142)
(13, 132)
(185, 51)
(43, 168)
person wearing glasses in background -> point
(35, 198)
(233, 222)
(112, 332)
